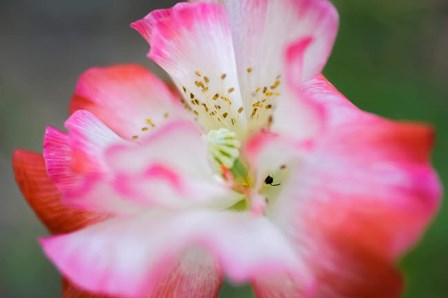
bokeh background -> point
(391, 58)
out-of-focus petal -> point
(70, 157)
(351, 273)
(195, 275)
(45, 198)
(127, 98)
(296, 115)
(308, 107)
(245, 247)
(387, 166)
(358, 200)
(169, 169)
(338, 110)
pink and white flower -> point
(259, 171)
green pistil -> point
(240, 206)
(240, 172)
(241, 183)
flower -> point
(260, 171)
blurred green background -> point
(391, 58)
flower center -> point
(224, 152)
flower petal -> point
(351, 274)
(169, 169)
(172, 165)
(45, 198)
(338, 110)
(70, 157)
(193, 43)
(256, 26)
(360, 199)
(132, 90)
(192, 276)
(245, 247)
(392, 159)
(263, 29)
(269, 153)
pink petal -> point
(337, 109)
(391, 159)
(189, 38)
(359, 199)
(263, 29)
(256, 25)
(124, 97)
(45, 198)
(193, 43)
(348, 275)
(190, 277)
(150, 244)
(70, 157)
(308, 107)
(156, 172)
(199, 278)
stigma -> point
(224, 147)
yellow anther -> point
(149, 121)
